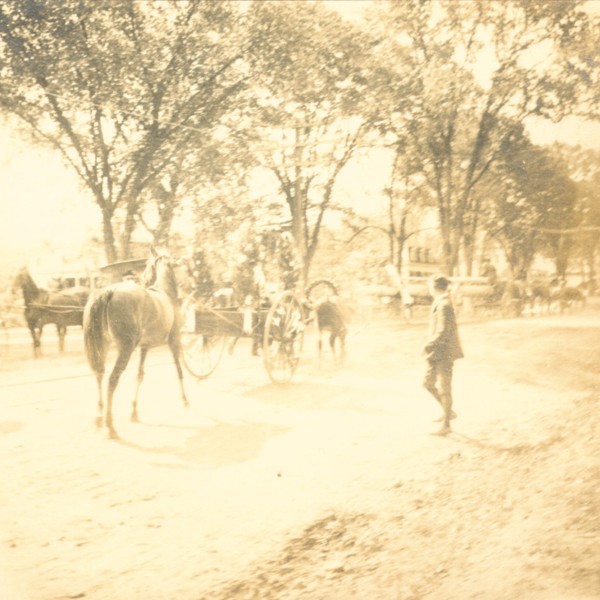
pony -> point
(129, 315)
(565, 297)
(538, 298)
(332, 316)
(63, 308)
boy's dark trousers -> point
(438, 382)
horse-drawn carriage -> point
(275, 322)
(277, 326)
(64, 308)
(196, 331)
(490, 296)
(470, 295)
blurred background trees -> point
(125, 91)
(191, 122)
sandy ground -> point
(328, 488)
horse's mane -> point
(170, 281)
(167, 276)
(25, 281)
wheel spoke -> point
(284, 333)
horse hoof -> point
(98, 422)
(112, 434)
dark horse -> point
(539, 297)
(131, 315)
(63, 308)
(564, 297)
(332, 316)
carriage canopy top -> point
(116, 271)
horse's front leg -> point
(140, 378)
(34, 338)
(175, 346)
(37, 340)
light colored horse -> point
(131, 315)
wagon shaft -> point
(229, 322)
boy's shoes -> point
(443, 431)
(453, 415)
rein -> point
(56, 308)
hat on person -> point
(440, 282)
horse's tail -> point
(95, 329)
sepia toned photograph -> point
(299, 299)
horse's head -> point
(159, 273)
(149, 274)
(23, 281)
(16, 285)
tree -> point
(454, 115)
(310, 112)
(584, 169)
(530, 199)
(125, 90)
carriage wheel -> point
(320, 290)
(201, 354)
(283, 337)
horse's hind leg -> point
(175, 346)
(342, 347)
(320, 345)
(332, 338)
(99, 378)
(121, 363)
(140, 378)
(61, 330)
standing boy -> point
(442, 349)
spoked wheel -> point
(201, 354)
(283, 337)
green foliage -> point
(290, 265)
(124, 90)
(203, 283)
(157, 105)
(452, 118)
(311, 109)
(244, 280)
(531, 195)
(270, 254)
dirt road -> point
(328, 488)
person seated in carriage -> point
(488, 270)
(130, 275)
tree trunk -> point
(591, 259)
(400, 241)
(166, 212)
(469, 255)
(562, 256)
(110, 249)
(298, 227)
